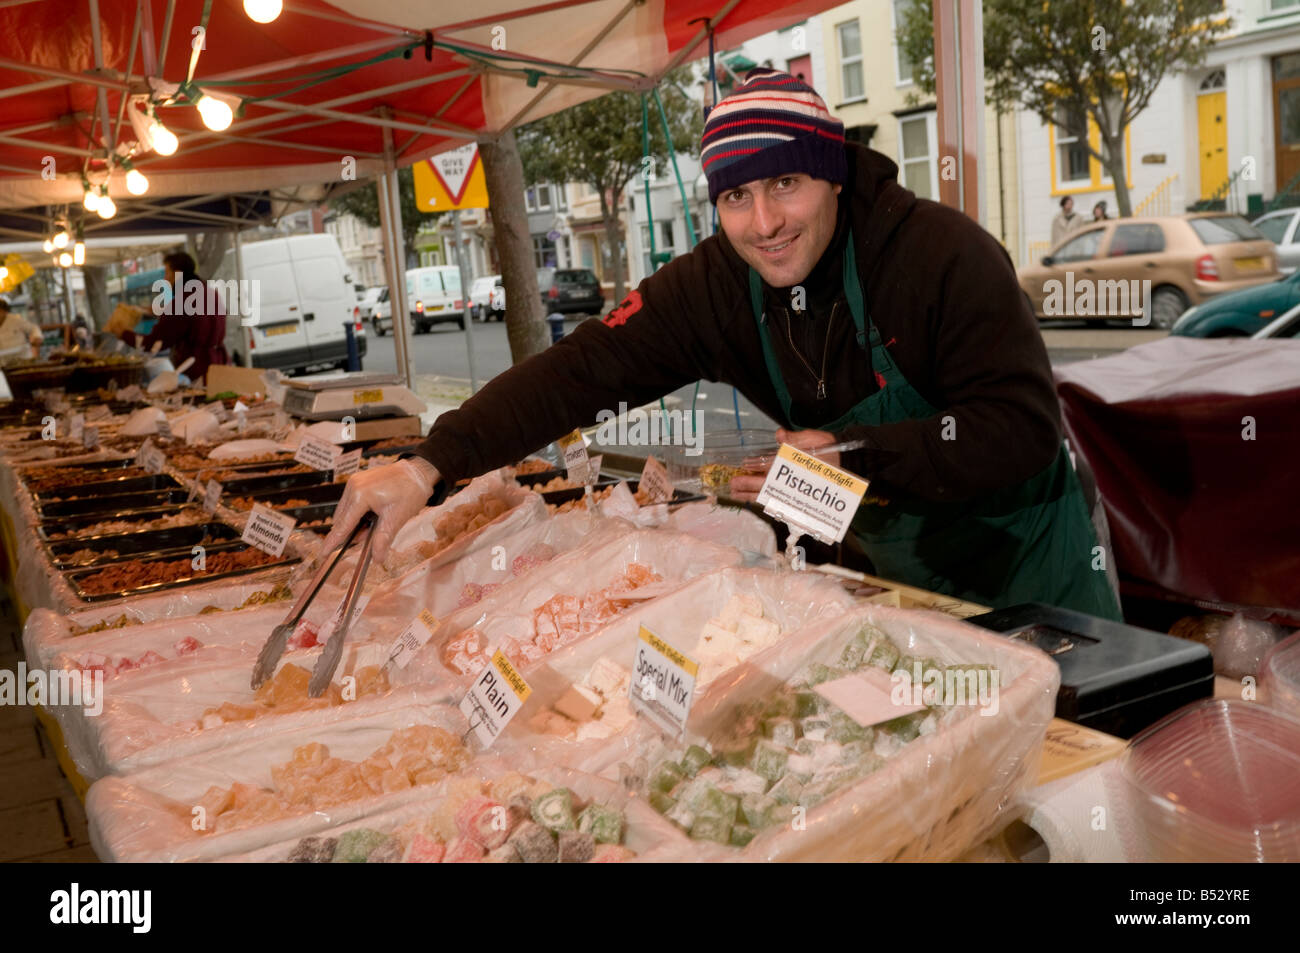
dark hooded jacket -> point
(940, 288)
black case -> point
(1115, 678)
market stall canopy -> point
(318, 90)
(1193, 444)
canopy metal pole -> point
(67, 293)
(465, 276)
(239, 283)
(390, 226)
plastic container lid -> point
(1279, 676)
(1218, 780)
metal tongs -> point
(328, 661)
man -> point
(18, 336)
(1066, 221)
(846, 308)
(186, 327)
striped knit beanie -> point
(772, 125)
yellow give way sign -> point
(450, 180)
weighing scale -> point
(358, 395)
(1115, 677)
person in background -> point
(1066, 221)
(187, 334)
(18, 336)
(1099, 212)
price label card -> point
(241, 421)
(90, 438)
(76, 426)
(212, 496)
(573, 448)
(663, 683)
(195, 489)
(150, 458)
(654, 484)
(347, 464)
(413, 638)
(811, 496)
(316, 453)
(593, 468)
(164, 429)
(240, 406)
(268, 530)
(496, 697)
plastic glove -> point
(745, 487)
(395, 493)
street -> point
(441, 354)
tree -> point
(1068, 62)
(599, 142)
(364, 204)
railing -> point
(1158, 203)
(1224, 199)
(1287, 197)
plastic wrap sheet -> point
(729, 525)
(1193, 443)
(794, 600)
(136, 819)
(154, 714)
(940, 793)
(645, 832)
(440, 587)
(509, 611)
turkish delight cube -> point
(741, 835)
(695, 759)
(425, 850)
(781, 731)
(554, 810)
(504, 854)
(575, 847)
(463, 850)
(756, 810)
(666, 776)
(354, 846)
(885, 655)
(715, 829)
(603, 823)
(389, 852)
(611, 854)
(313, 850)
(769, 760)
(534, 843)
(785, 791)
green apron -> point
(1032, 542)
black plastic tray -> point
(322, 493)
(107, 488)
(75, 576)
(577, 492)
(679, 496)
(308, 514)
(181, 539)
(252, 486)
(46, 527)
(125, 503)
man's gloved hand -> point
(395, 493)
(745, 487)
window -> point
(695, 224)
(1224, 229)
(920, 170)
(850, 40)
(1136, 240)
(1080, 248)
(1275, 5)
(561, 198)
(1072, 156)
(589, 252)
(543, 252)
(647, 267)
(543, 198)
(1274, 227)
(902, 64)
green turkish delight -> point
(554, 810)
(666, 776)
(808, 703)
(661, 802)
(355, 846)
(844, 729)
(741, 835)
(885, 655)
(602, 823)
(786, 790)
(757, 810)
(693, 760)
(769, 760)
(718, 804)
(781, 731)
(711, 828)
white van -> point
(305, 295)
(433, 295)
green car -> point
(1240, 313)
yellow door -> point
(1212, 135)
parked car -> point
(487, 299)
(1188, 259)
(381, 315)
(1286, 325)
(433, 294)
(1241, 313)
(1283, 230)
(304, 295)
(369, 297)
(570, 291)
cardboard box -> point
(242, 380)
(1069, 748)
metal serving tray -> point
(106, 506)
(76, 576)
(179, 539)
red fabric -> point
(1194, 446)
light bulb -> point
(79, 253)
(216, 115)
(4, 272)
(61, 238)
(164, 140)
(263, 11)
(136, 183)
(90, 200)
(48, 246)
(107, 207)
(65, 260)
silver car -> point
(1282, 228)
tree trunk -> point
(208, 248)
(97, 294)
(525, 323)
(1114, 151)
(612, 237)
